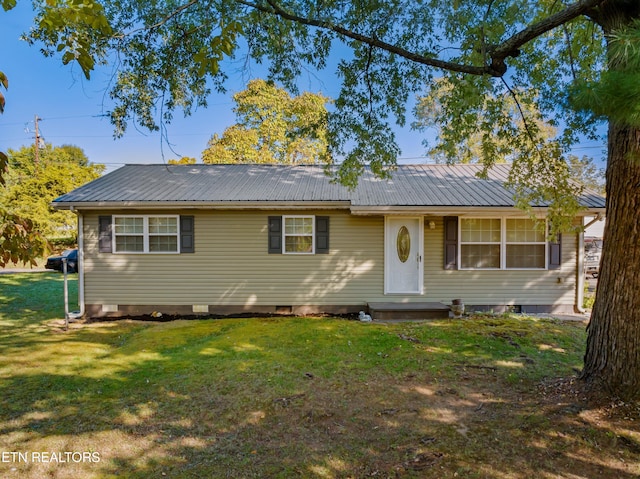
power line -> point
(103, 115)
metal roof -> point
(426, 186)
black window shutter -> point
(187, 244)
(104, 234)
(450, 242)
(555, 253)
(275, 234)
(322, 234)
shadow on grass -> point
(308, 398)
(25, 294)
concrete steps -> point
(391, 311)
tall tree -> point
(19, 240)
(534, 51)
(31, 187)
(585, 170)
(488, 139)
(273, 127)
(487, 133)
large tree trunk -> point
(612, 358)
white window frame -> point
(145, 234)
(544, 243)
(499, 243)
(285, 235)
(503, 244)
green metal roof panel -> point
(410, 185)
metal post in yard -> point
(66, 294)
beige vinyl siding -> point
(497, 287)
(231, 265)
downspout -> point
(79, 314)
(580, 266)
(580, 272)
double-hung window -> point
(480, 243)
(299, 234)
(146, 234)
(526, 245)
(501, 243)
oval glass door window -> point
(403, 244)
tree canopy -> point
(489, 136)
(575, 63)
(585, 170)
(273, 127)
(31, 186)
(19, 240)
(397, 50)
(185, 160)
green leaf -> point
(67, 57)
(4, 166)
(87, 63)
(8, 4)
(4, 81)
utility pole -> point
(37, 144)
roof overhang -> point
(457, 210)
(307, 205)
(181, 205)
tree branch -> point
(522, 115)
(275, 9)
(484, 51)
(567, 36)
(368, 81)
(498, 53)
(511, 46)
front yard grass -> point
(481, 397)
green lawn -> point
(297, 397)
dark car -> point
(55, 262)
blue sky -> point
(71, 108)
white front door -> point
(403, 267)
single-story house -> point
(230, 239)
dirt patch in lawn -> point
(477, 426)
